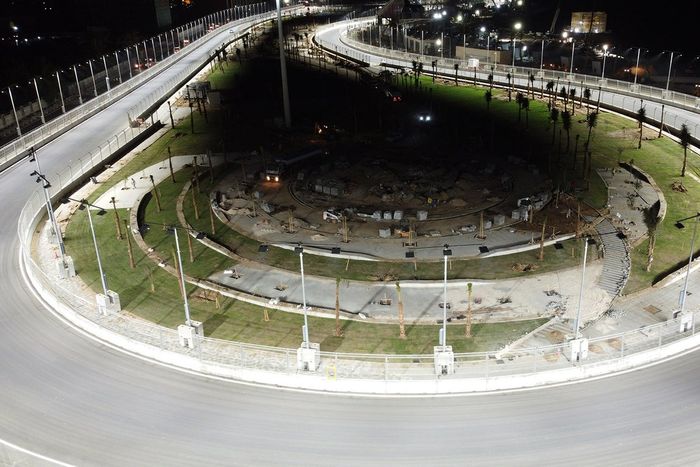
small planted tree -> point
(685, 141)
(641, 118)
(587, 96)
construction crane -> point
(554, 20)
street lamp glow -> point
(517, 26)
(520, 2)
(460, 17)
(605, 47)
(444, 12)
(438, 42)
(565, 34)
(437, 16)
(482, 29)
(477, 12)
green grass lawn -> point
(243, 322)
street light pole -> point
(38, 99)
(77, 83)
(188, 321)
(443, 336)
(573, 48)
(60, 93)
(119, 70)
(49, 207)
(103, 278)
(14, 110)
(636, 68)
(605, 55)
(92, 73)
(542, 57)
(517, 27)
(305, 329)
(104, 62)
(670, 65)
(580, 294)
(690, 260)
(283, 68)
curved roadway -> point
(78, 401)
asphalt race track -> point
(77, 401)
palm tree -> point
(456, 70)
(508, 77)
(591, 122)
(554, 117)
(402, 329)
(641, 118)
(566, 125)
(488, 96)
(587, 96)
(550, 87)
(532, 84)
(572, 96)
(519, 100)
(489, 78)
(525, 104)
(651, 219)
(564, 96)
(685, 141)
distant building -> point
(589, 21)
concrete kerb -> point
(325, 383)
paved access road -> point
(69, 398)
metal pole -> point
(442, 45)
(444, 309)
(160, 45)
(305, 330)
(670, 65)
(421, 41)
(513, 54)
(283, 69)
(488, 47)
(573, 48)
(128, 61)
(49, 210)
(119, 70)
(97, 251)
(77, 83)
(14, 111)
(92, 73)
(138, 58)
(153, 47)
(542, 57)
(690, 260)
(636, 68)
(145, 52)
(60, 93)
(104, 62)
(182, 280)
(580, 294)
(38, 99)
(602, 73)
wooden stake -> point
(338, 332)
(116, 218)
(194, 205)
(541, 255)
(189, 247)
(402, 329)
(170, 164)
(217, 303)
(211, 219)
(468, 326)
(155, 193)
(132, 264)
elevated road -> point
(80, 402)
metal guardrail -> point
(63, 122)
(626, 95)
(228, 354)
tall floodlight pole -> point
(49, 207)
(684, 293)
(516, 27)
(188, 321)
(443, 334)
(128, 61)
(580, 294)
(542, 57)
(104, 62)
(573, 48)
(119, 69)
(670, 65)
(605, 55)
(636, 68)
(38, 99)
(14, 111)
(304, 330)
(283, 70)
(103, 278)
(60, 92)
(77, 84)
(92, 73)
